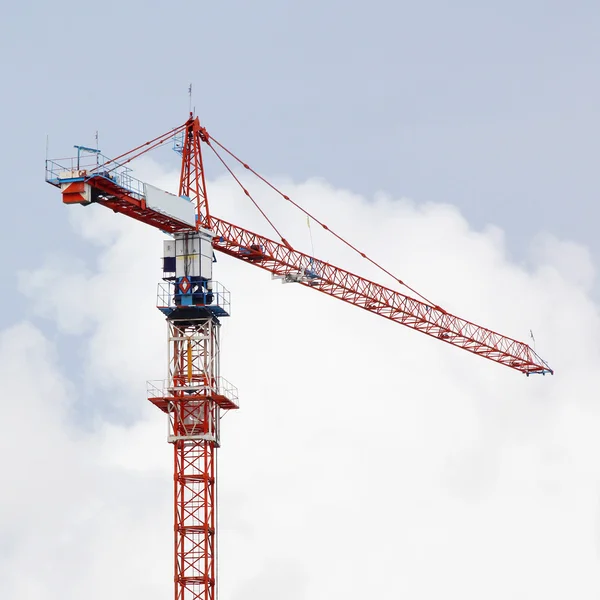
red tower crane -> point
(195, 396)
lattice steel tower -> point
(194, 397)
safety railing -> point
(87, 166)
(227, 389)
(155, 388)
(218, 297)
(161, 388)
(178, 142)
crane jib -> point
(339, 283)
(283, 261)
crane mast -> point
(195, 396)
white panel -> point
(186, 243)
(187, 266)
(179, 267)
(169, 248)
(189, 260)
(206, 248)
(72, 174)
(170, 204)
(206, 267)
(206, 234)
(195, 265)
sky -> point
(454, 142)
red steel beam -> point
(333, 281)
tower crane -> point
(195, 396)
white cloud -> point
(572, 261)
(367, 460)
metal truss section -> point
(293, 266)
(194, 397)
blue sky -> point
(459, 142)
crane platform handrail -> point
(87, 167)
